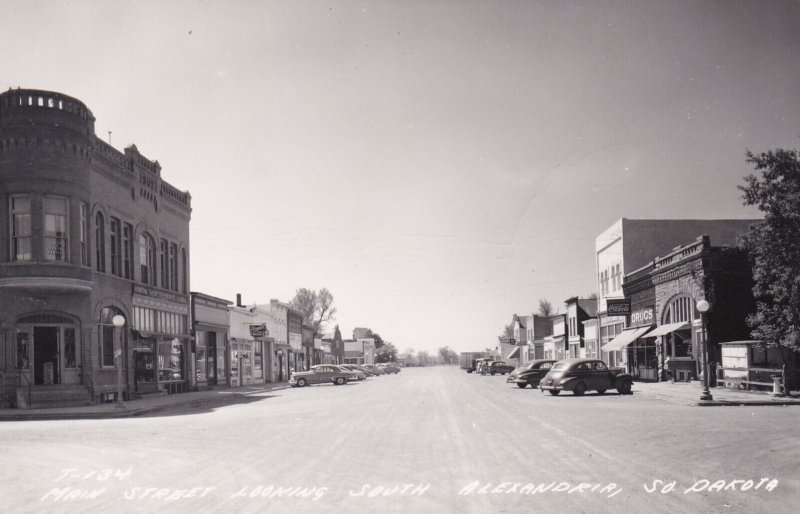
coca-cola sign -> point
(618, 306)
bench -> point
(737, 383)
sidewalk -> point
(688, 393)
(149, 404)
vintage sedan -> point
(531, 374)
(499, 367)
(389, 367)
(375, 370)
(581, 375)
(322, 374)
(361, 374)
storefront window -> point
(170, 360)
(201, 364)
(222, 377)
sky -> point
(437, 165)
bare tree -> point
(317, 307)
(545, 307)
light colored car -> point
(375, 370)
(322, 374)
(389, 367)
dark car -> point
(581, 375)
(499, 367)
(531, 373)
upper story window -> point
(164, 265)
(55, 228)
(127, 250)
(84, 234)
(100, 242)
(147, 259)
(173, 267)
(185, 270)
(20, 228)
(115, 247)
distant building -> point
(210, 329)
(578, 311)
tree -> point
(508, 331)
(423, 357)
(774, 248)
(386, 353)
(545, 307)
(317, 307)
(447, 355)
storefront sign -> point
(642, 317)
(618, 306)
(257, 331)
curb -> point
(135, 412)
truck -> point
(467, 360)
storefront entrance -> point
(46, 357)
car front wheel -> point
(302, 382)
(554, 392)
(625, 387)
(580, 388)
(522, 386)
(338, 381)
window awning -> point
(663, 330)
(514, 353)
(624, 339)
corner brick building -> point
(94, 261)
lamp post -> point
(119, 321)
(703, 306)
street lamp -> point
(119, 321)
(703, 306)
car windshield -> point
(558, 366)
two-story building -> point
(94, 261)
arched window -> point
(147, 259)
(680, 309)
(100, 242)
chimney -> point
(239, 300)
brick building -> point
(94, 260)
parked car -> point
(375, 370)
(389, 367)
(360, 375)
(581, 375)
(322, 374)
(499, 367)
(531, 373)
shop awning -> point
(624, 339)
(514, 353)
(663, 330)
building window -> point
(147, 259)
(69, 348)
(55, 228)
(109, 334)
(164, 265)
(127, 250)
(21, 228)
(173, 267)
(115, 249)
(100, 242)
(185, 270)
(84, 234)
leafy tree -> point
(316, 306)
(774, 248)
(508, 331)
(386, 353)
(545, 307)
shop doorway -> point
(46, 357)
